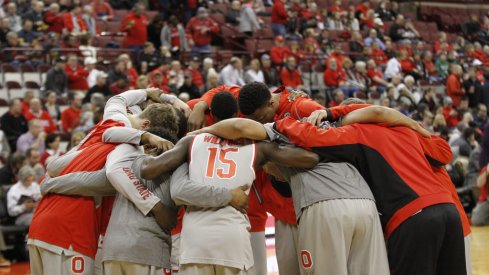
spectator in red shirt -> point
(336, 8)
(120, 85)
(73, 21)
(338, 97)
(193, 69)
(157, 82)
(131, 72)
(429, 66)
(334, 75)
(279, 18)
(278, 51)
(36, 112)
(201, 28)
(54, 19)
(28, 95)
(454, 86)
(378, 54)
(450, 113)
(102, 10)
(442, 39)
(294, 50)
(290, 75)
(52, 143)
(77, 74)
(362, 9)
(375, 74)
(135, 25)
(336, 54)
(70, 118)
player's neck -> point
(135, 121)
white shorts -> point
(45, 262)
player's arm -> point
(235, 128)
(436, 150)
(116, 107)
(184, 191)
(388, 116)
(333, 114)
(79, 183)
(288, 156)
(55, 166)
(152, 167)
(135, 137)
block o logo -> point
(77, 265)
(306, 259)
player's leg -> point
(451, 258)
(286, 238)
(414, 247)
(259, 252)
(175, 253)
(46, 262)
(77, 264)
(227, 270)
(119, 267)
(368, 253)
(111, 267)
(325, 234)
(468, 255)
(97, 265)
(197, 269)
(35, 260)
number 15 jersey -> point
(218, 236)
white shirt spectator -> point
(27, 190)
(231, 76)
(254, 76)
(393, 68)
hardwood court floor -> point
(479, 241)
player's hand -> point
(317, 117)
(156, 142)
(183, 107)
(197, 117)
(153, 94)
(239, 198)
(418, 128)
(165, 217)
(29, 205)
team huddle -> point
(355, 189)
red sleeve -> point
(52, 126)
(436, 150)
(298, 78)
(281, 11)
(276, 55)
(65, 121)
(67, 20)
(329, 78)
(306, 106)
(190, 26)
(209, 95)
(284, 77)
(124, 23)
(81, 23)
(307, 135)
(214, 26)
(82, 72)
(70, 74)
(339, 111)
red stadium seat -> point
(120, 14)
(264, 45)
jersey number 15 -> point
(221, 173)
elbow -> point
(310, 161)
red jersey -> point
(402, 179)
(136, 35)
(195, 28)
(279, 14)
(46, 120)
(77, 77)
(379, 56)
(72, 222)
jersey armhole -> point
(190, 150)
(254, 160)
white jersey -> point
(218, 235)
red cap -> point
(279, 38)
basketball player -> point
(64, 230)
(419, 217)
(207, 231)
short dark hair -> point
(16, 159)
(50, 138)
(182, 124)
(163, 133)
(224, 105)
(252, 97)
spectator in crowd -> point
(397, 30)
(8, 173)
(450, 113)
(338, 97)
(120, 85)
(117, 72)
(4, 29)
(279, 51)
(207, 67)
(454, 85)
(334, 22)
(175, 75)
(384, 13)
(135, 26)
(232, 73)
(375, 75)
(141, 83)
(442, 40)
(102, 10)
(28, 95)
(270, 74)
(428, 99)
(90, 20)
(158, 82)
(188, 90)
(13, 123)
(472, 28)
(336, 54)
(4, 148)
(254, 73)
(356, 42)
(290, 75)
(52, 149)
(279, 17)
(466, 142)
(35, 15)
(86, 46)
(70, 117)
(73, 21)
(294, 50)
(193, 68)
(23, 197)
(51, 106)
(480, 117)
(173, 36)
(334, 76)
(130, 71)
(148, 57)
(201, 29)
(54, 19)
(100, 87)
(56, 78)
(212, 81)
(154, 30)
(33, 157)
(442, 65)
(27, 35)
(77, 74)
(233, 14)
(393, 67)
(34, 137)
(36, 112)
(13, 56)
(93, 72)
(473, 88)
(373, 39)
(248, 23)
(15, 22)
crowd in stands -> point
(364, 49)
